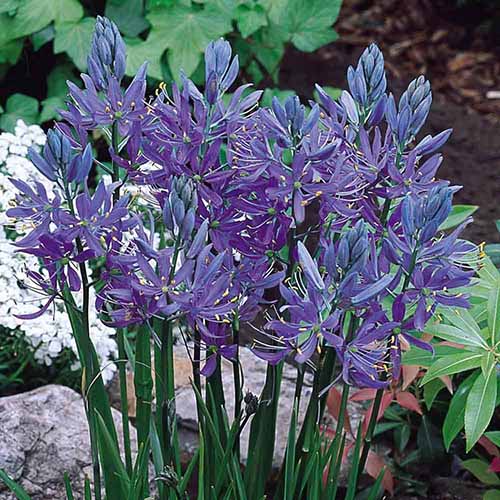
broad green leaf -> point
(186, 32)
(431, 390)
(50, 107)
(493, 252)
(420, 357)
(487, 362)
(128, 16)
(307, 23)
(462, 319)
(492, 495)
(19, 106)
(9, 6)
(457, 215)
(250, 19)
(10, 52)
(75, 39)
(139, 51)
(34, 15)
(45, 35)
(56, 81)
(454, 334)
(494, 313)
(480, 470)
(480, 407)
(456, 363)
(454, 420)
(494, 436)
(488, 273)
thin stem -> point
(238, 390)
(120, 334)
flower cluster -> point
(51, 333)
(325, 218)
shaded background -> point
(455, 43)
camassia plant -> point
(320, 224)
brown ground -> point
(459, 51)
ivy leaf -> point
(40, 38)
(456, 363)
(457, 215)
(50, 107)
(186, 31)
(75, 39)
(33, 15)
(10, 52)
(139, 51)
(56, 80)
(480, 406)
(19, 106)
(128, 16)
(307, 23)
(250, 19)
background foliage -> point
(34, 32)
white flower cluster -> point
(51, 333)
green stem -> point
(380, 392)
(122, 354)
(238, 390)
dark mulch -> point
(461, 57)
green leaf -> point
(139, 51)
(250, 19)
(186, 32)
(431, 390)
(454, 420)
(457, 215)
(462, 319)
(50, 107)
(56, 81)
(480, 470)
(17, 489)
(19, 106)
(268, 95)
(128, 16)
(307, 23)
(333, 92)
(452, 333)
(116, 479)
(9, 6)
(40, 38)
(493, 251)
(68, 488)
(492, 495)
(494, 436)
(75, 39)
(480, 407)
(494, 313)
(429, 441)
(34, 15)
(455, 363)
(10, 52)
(420, 357)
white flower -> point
(51, 333)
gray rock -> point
(43, 434)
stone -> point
(43, 434)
